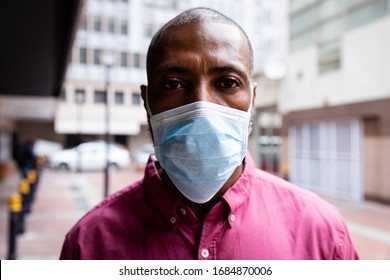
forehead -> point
(204, 41)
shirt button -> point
(205, 253)
(183, 211)
(232, 217)
(173, 220)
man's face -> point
(200, 62)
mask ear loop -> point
(250, 112)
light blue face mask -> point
(200, 145)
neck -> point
(201, 209)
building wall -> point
(142, 20)
(350, 81)
(375, 119)
(363, 74)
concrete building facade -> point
(124, 28)
(335, 99)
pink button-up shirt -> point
(259, 217)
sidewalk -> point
(63, 198)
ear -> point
(143, 89)
(254, 94)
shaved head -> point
(195, 15)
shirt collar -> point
(161, 197)
(169, 205)
(238, 194)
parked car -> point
(90, 156)
(141, 155)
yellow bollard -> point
(15, 203)
(32, 176)
(24, 187)
(25, 191)
(32, 180)
(15, 208)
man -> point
(201, 196)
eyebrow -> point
(217, 69)
(176, 69)
(228, 68)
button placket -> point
(183, 211)
(205, 253)
(173, 220)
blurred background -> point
(70, 75)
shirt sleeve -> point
(69, 251)
(346, 249)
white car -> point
(90, 156)
(142, 154)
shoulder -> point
(293, 201)
(304, 212)
(108, 216)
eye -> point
(229, 83)
(172, 84)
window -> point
(123, 59)
(79, 96)
(119, 97)
(367, 13)
(174, 5)
(136, 61)
(96, 57)
(329, 56)
(97, 25)
(124, 27)
(149, 30)
(136, 99)
(100, 96)
(83, 55)
(111, 26)
(325, 156)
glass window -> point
(119, 97)
(100, 96)
(303, 40)
(174, 4)
(83, 55)
(299, 4)
(304, 20)
(367, 13)
(329, 56)
(136, 98)
(97, 25)
(123, 59)
(149, 30)
(79, 96)
(124, 27)
(111, 26)
(96, 57)
(331, 29)
(136, 61)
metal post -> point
(24, 190)
(107, 134)
(15, 208)
(79, 101)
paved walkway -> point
(62, 198)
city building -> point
(124, 28)
(36, 40)
(335, 98)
